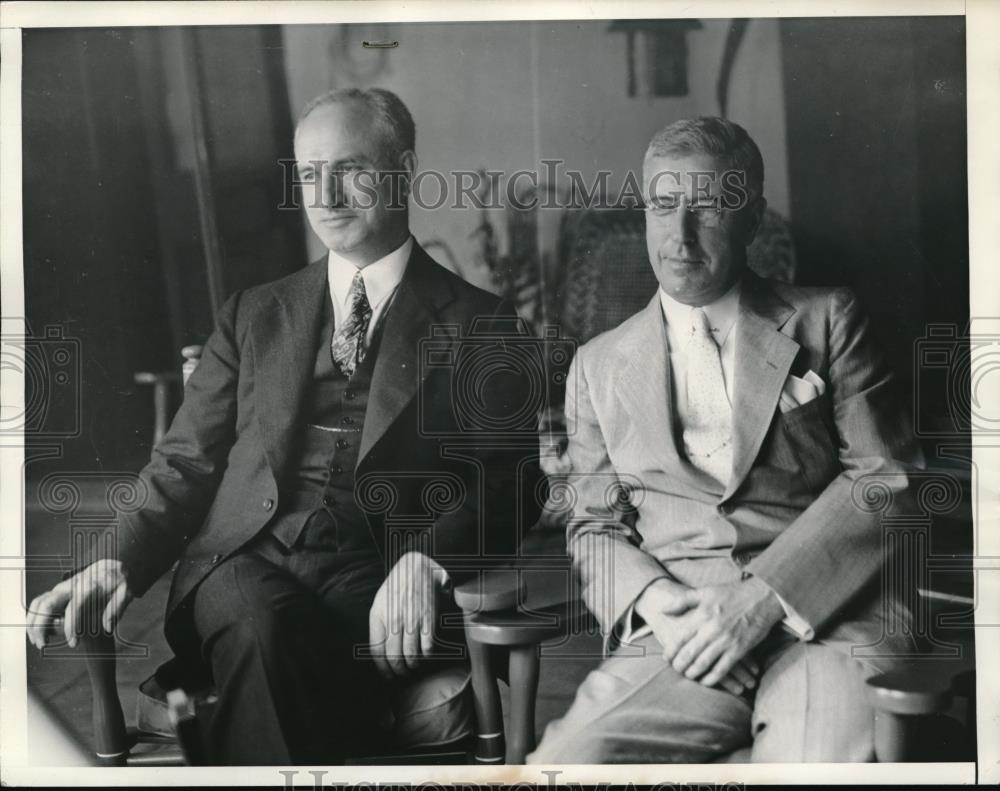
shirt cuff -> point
(794, 622)
(630, 626)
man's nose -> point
(680, 227)
(333, 188)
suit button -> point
(347, 420)
(349, 395)
(268, 504)
(727, 508)
(328, 501)
(741, 558)
(336, 469)
(342, 443)
(215, 559)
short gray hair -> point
(393, 121)
(722, 139)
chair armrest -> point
(511, 607)
(910, 693)
(501, 589)
(541, 577)
(512, 628)
(906, 698)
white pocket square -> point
(798, 392)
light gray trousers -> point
(634, 708)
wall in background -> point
(861, 122)
(877, 168)
(136, 155)
(504, 96)
(92, 269)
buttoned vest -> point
(320, 473)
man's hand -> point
(101, 584)
(662, 606)
(661, 600)
(724, 623)
(401, 620)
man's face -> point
(696, 246)
(353, 205)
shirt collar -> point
(721, 314)
(381, 277)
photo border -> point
(983, 63)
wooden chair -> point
(509, 615)
(116, 743)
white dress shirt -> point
(723, 315)
(381, 279)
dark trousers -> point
(283, 632)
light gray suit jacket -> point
(788, 514)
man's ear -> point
(754, 217)
(408, 165)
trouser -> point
(809, 705)
(283, 632)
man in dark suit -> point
(742, 605)
(312, 427)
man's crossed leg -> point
(809, 705)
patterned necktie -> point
(709, 418)
(348, 344)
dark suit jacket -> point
(468, 481)
(791, 513)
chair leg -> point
(184, 718)
(489, 715)
(524, 667)
(892, 734)
(110, 736)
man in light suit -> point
(741, 598)
(311, 423)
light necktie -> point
(348, 344)
(709, 418)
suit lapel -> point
(284, 346)
(645, 389)
(422, 293)
(764, 357)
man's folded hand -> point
(402, 617)
(722, 625)
(671, 610)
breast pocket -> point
(805, 443)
